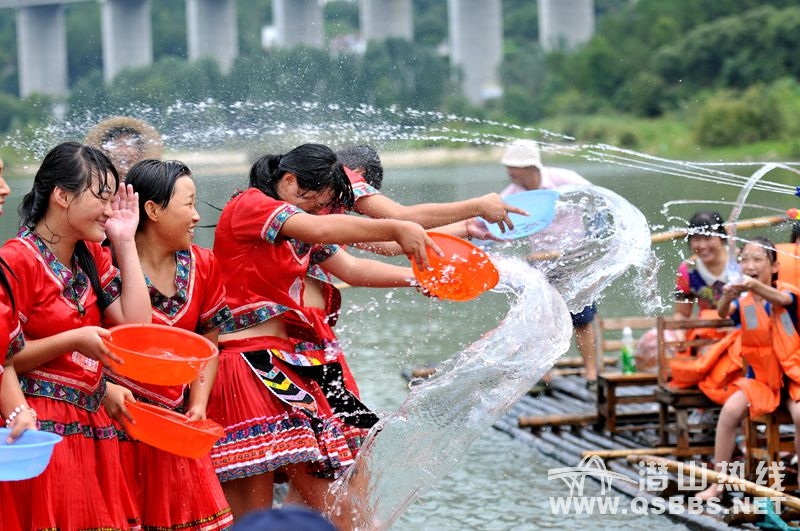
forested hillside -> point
(727, 68)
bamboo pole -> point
(745, 224)
(566, 419)
(749, 487)
(674, 234)
(625, 452)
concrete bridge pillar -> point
(127, 36)
(383, 19)
(211, 31)
(42, 50)
(476, 45)
(565, 23)
(298, 22)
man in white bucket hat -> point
(523, 162)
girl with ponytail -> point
(64, 286)
(282, 399)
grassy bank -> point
(667, 137)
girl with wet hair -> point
(766, 312)
(186, 291)
(64, 286)
(315, 167)
(273, 390)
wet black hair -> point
(316, 167)
(70, 166)
(707, 223)
(154, 181)
(769, 248)
(363, 156)
(795, 232)
(5, 270)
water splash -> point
(261, 127)
(419, 443)
(595, 237)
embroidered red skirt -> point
(174, 492)
(274, 415)
(83, 486)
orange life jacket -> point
(713, 372)
(788, 262)
(766, 340)
(703, 333)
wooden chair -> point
(640, 386)
(681, 402)
(767, 447)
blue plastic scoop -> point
(539, 204)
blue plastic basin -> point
(28, 456)
(539, 204)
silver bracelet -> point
(17, 410)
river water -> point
(501, 483)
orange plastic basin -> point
(463, 273)
(159, 354)
(170, 431)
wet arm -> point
(87, 340)
(133, 304)
(489, 206)
(770, 294)
(11, 394)
(365, 272)
(345, 229)
(200, 389)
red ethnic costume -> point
(175, 492)
(83, 487)
(11, 338)
(276, 397)
(11, 342)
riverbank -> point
(237, 162)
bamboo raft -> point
(563, 424)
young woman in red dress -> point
(15, 412)
(270, 393)
(64, 285)
(186, 291)
(14, 409)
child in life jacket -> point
(766, 311)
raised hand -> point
(121, 226)
(495, 210)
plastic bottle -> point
(626, 352)
(734, 272)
